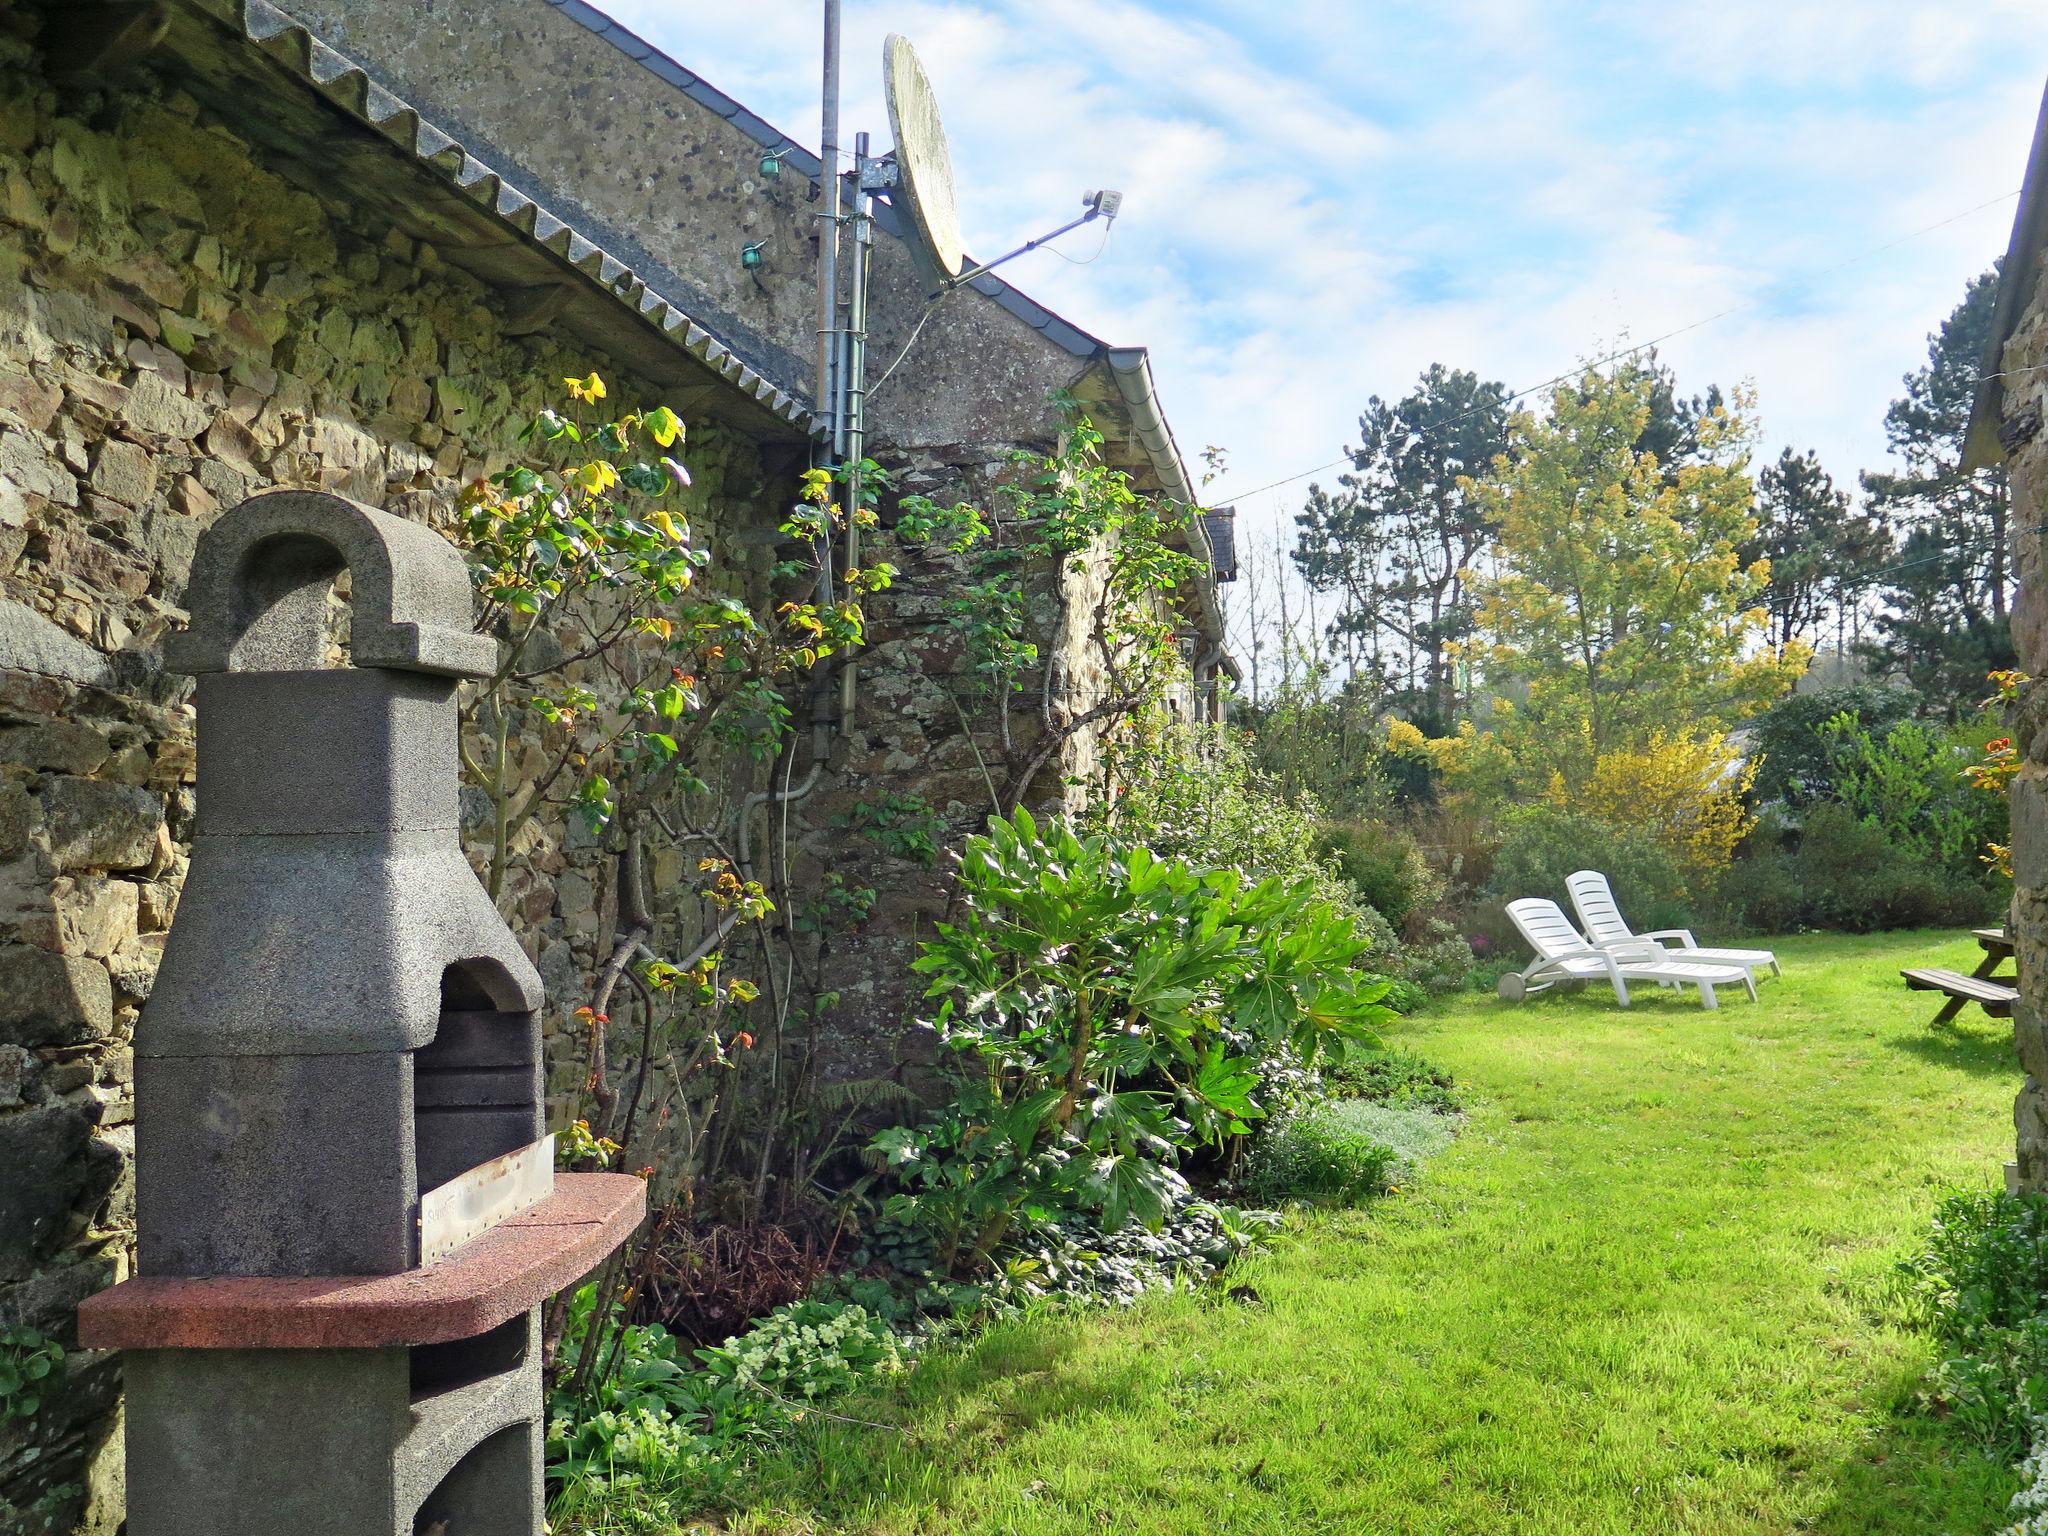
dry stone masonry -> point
(180, 327)
(2005, 425)
(2027, 461)
(219, 277)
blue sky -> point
(1323, 198)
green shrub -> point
(1484, 975)
(1847, 875)
(1074, 1262)
(1795, 762)
(1343, 1150)
(1981, 1288)
(1108, 1012)
(1388, 874)
(1540, 846)
(1908, 783)
(1384, 867)
(1435, 959)
(1761, 892)
(1195, 794)
(1857, 878)
(1192, 793)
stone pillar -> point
(2026, 449)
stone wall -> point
(926, 732)
(182, 324)
(672, 182)
(179, 328)
(2026, 392)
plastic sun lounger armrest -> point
(1556, 956)
(1640, 947)
(1684, 935)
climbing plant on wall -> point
(1122, 556)
(627, 663)
(642, 694)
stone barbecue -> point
(346, 1208)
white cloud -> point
(1324, 197)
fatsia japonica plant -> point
(1109, 1012)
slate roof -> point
(349, 86)
(1062, 332)
(1220, 523)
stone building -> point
(351, 244)
(2006, 425)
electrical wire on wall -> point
(915, 331)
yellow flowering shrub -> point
(1405, 739)
(1480, 764)
(1685, 793)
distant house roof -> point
(2017, 279)
(1220, 523)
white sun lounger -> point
(1563, 954)
(1593, 900)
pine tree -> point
(1821, 551)
(1949, 588)
(1398, 538)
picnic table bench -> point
(1993, 993)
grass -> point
(1644, 1292)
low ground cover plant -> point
(1362, 1127)
(2030, 1504)
(1981, 1288)
(1393, 1076)
(655, 1429)
(1322, 1152)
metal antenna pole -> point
(828, 229)
(854, 385)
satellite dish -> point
(924, 169)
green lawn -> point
(1642, 1294)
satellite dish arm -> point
(1101, 205)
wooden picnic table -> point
(1992, 992)
(1998, 946)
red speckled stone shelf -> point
(497, 1276)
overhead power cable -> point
(1969, 547)
(1626, 352)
